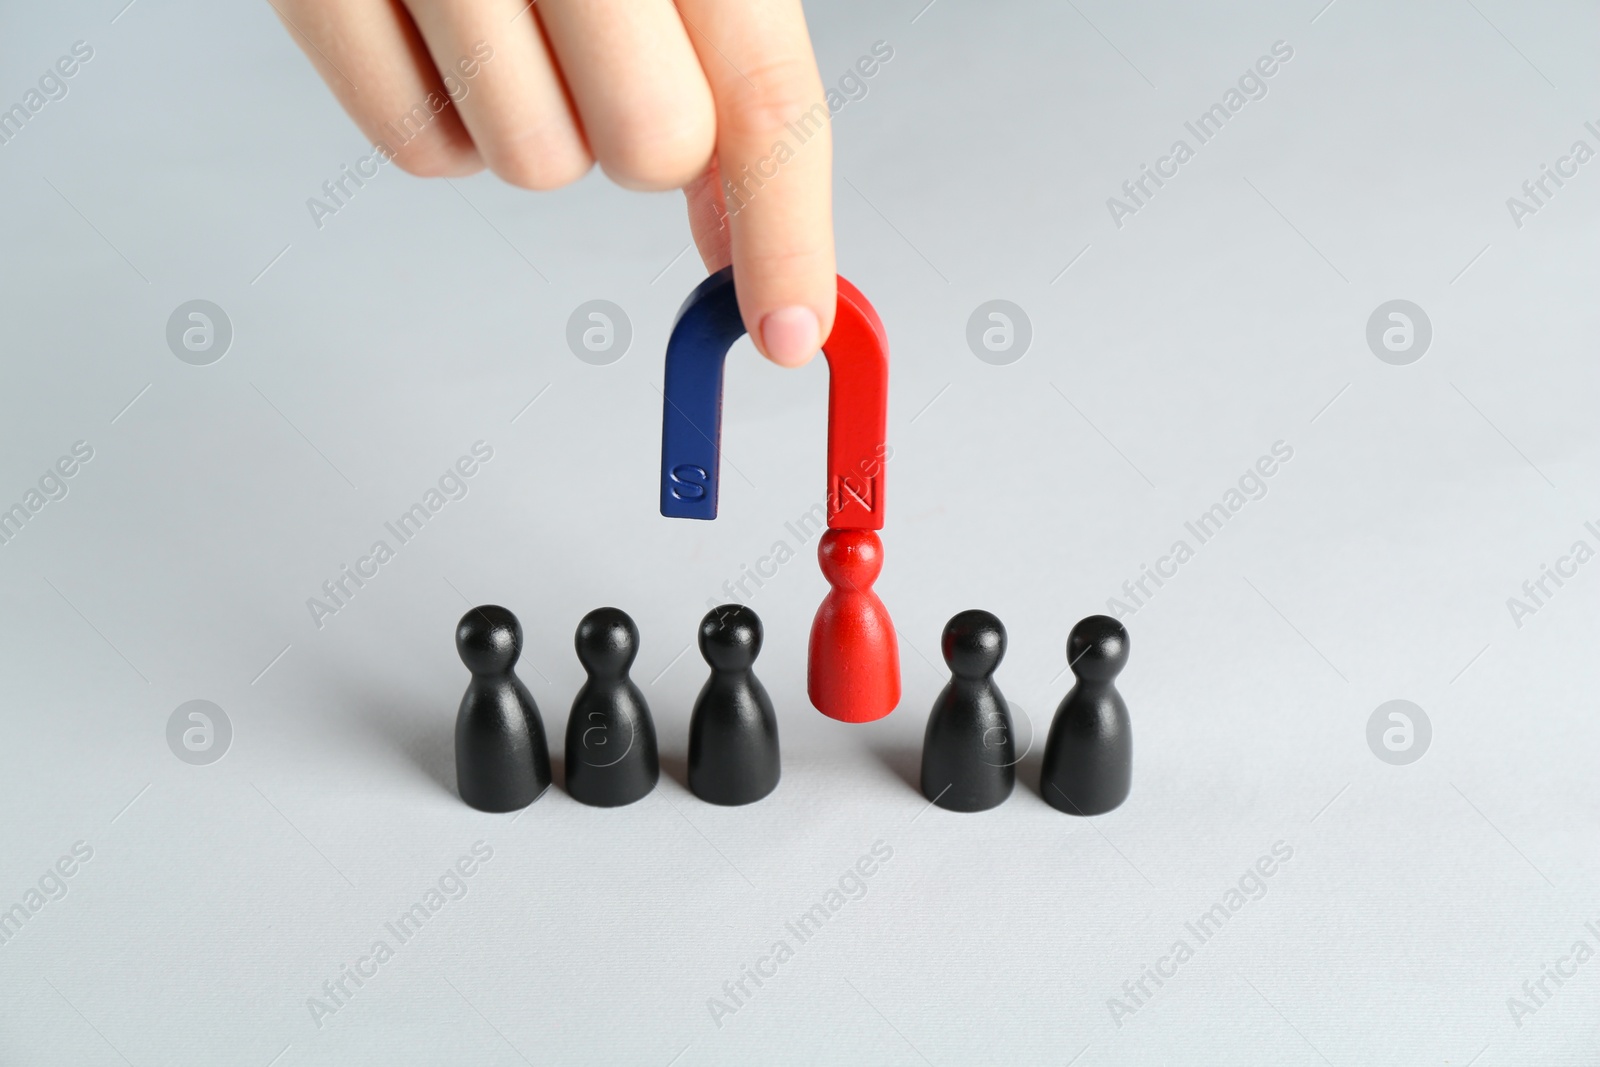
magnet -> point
(691, 421)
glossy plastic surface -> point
(691, 419)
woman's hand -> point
(718, 97)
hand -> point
(662, 96)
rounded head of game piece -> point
(730, 637)
(489, 639)
(607, 641)
(1097, 648)
(850, 558)
(974, 643)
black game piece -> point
(611, 740)
(968, 755)
(502, 761)
(733, 733)
(1088, 761)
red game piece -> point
(853, 671)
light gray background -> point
(1230, 313)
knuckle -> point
(807, 261)
(537, 164)
(437, 159)
(771, 95)
(661, 154)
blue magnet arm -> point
(691, 414)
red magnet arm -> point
(858, 402)
(691, 419)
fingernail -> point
(790, 335)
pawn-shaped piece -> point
(853, 669)
(733, 733)
(968, 754)
(611, 740)
(1088, 760)
(502, 761)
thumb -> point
(708, 218)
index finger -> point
(775, 154)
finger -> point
(775, 152)
(371, 56)
(638, 87)
(708, 218)
(499, 73)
